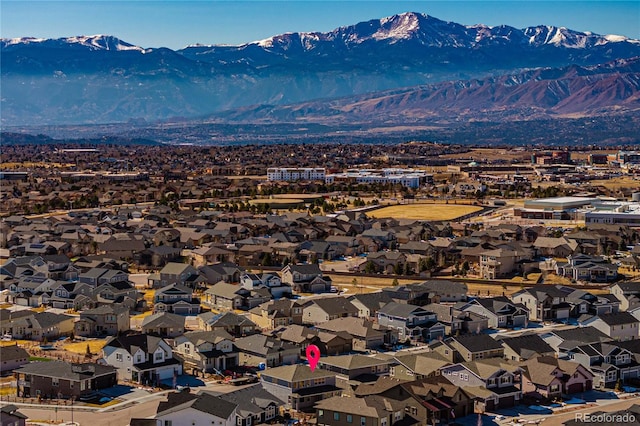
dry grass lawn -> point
(424, 211)
(81, 347)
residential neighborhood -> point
(209, 310)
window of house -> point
(55, 381)
(383, 422)
(119, 357)
(363, 421)
(505, 379)
(168, 423)
(320, 413)
(336, 416)
(158, 356)
(555, 388)
(349, 418)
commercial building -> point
(292, 174)
(409, 178)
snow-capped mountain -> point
(101, 78)
(95, 42)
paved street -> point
(138, 403)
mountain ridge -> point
(101, 79)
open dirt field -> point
(424, 211)
(81, 347)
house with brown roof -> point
(365, 334)
(104, 320)
(299, 386)
(549, 377)
(324, 309)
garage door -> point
(507, 401)
(575, 388)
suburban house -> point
(271, 352)
(177, 299)
(232, 323)
(207, 351)
(368, 304)
(628, 293)
(417, 366)
(365, 334)
(12, 357)
(176, 273)
(617, 325)
(475, 347)
(608, 362)
(499, 311)
(163, 324)
(184, 408)
(59, 379)
(255, 405)
(354, 367)
(104, 320)
(582, 267)
(38, 326)
(141, 358)
(306, 278)
(371, 410)
(544, 302)
(276, 313)
(324, 309)
(549, 377)
(412, 322)
(10, 416)
(270, 281)
(227, 297)
(300, 387)
(524, 347)
(492, 382)
(456, 321)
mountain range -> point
(407, 66)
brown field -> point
(81, 347)
(617, 183)
(424, 211)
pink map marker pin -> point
(313, 356)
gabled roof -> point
(477, 342)
(358, 327)
(402, 310)
(351, 362)
(526, 345)
(163, 319)
(66, 370)
(618, 318)
(132, 342)
(204, 402)
(296, 373)
(335, 305)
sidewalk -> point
(68, 407)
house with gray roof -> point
(201, 409)
(323, 309)
(412, 322)
(255, 405)
(104, 320)
(207, 351)
(300, 387)
(59, 379)
(141, 358)
(12, 357)
(260, 349)
(177, 299)
(232, 323)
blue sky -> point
(177, 23)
